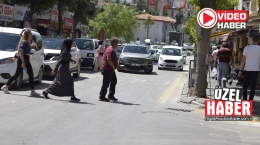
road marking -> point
(171, 89)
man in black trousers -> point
(108, 71)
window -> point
(52, 43)
(171, 51)
(38, 41)
(136, 49)
(85, 44)
(9, 42)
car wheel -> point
(18, 82)
(76, 75)
(159, 68)
(181, 69)
(40, 75)
(149, 71)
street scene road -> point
(147, 113)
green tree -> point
(165, 13)
(203, 41)
(83, 10)
(36, 6)
(141, 6)
(147, 24)
(122, 22)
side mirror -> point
(32, 51)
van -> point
(10, 38)
(87, 49)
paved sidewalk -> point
(211, 86)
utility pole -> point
(148, 26)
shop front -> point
(18, 17)
(67, 27)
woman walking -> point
(23, 62)
(63, 83)
(99, 56)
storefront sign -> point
(44, 23)
(6, 13)
(54, 15)
(68, 23)
(67, 14)
(19, 12)
(253, 8)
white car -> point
(10, 38)
(154, 54)
(87, 49)
(52, 48)
(171, 57)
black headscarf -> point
(66, 46)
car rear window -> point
(136, 49)
(52, 43)
(9, 42)
(84, 44)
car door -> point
(39, 55)
(33, 55)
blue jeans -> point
(223, 70)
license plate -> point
(171, 64)
(135, 64)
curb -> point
(197, 103)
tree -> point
(165, 13)
(83, 9)
(204, 41)
(36, 6)
(141, 5)
(147, 24)
(122, 22)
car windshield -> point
(171, 51)
(119, 48)
(136, 49)
(154, 47)
(84, 44)
(184, 50)
(52, 43)
(9, 42)
(152, 51)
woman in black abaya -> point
(63, 83)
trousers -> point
(250, 77)
(109, 80)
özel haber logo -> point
(207, 18)
(225, 19)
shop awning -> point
(220, 33)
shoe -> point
(34, 94)
(5, 90)
(104, 100)
(73, 98)
(112, 98)
(45, 95)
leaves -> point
(148, 21)
(120, 23)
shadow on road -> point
(124, 103)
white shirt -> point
(214, 54)
(252, 53)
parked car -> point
(187, 52)
(52, 48)
(154, 54)
(189, 46)
(171, 57)
(118, 51)
(135, 58)
(87, 49)
(10, 38)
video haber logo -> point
(225, 19)
(228, 106)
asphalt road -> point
(140, 117)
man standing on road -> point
(250, 65)
(108, 71)
(224, 59)
(214, 56)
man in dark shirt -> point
(224, 57)
(108, 71)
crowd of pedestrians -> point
(63, 85)
(221, 60)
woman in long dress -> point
(63, 83)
